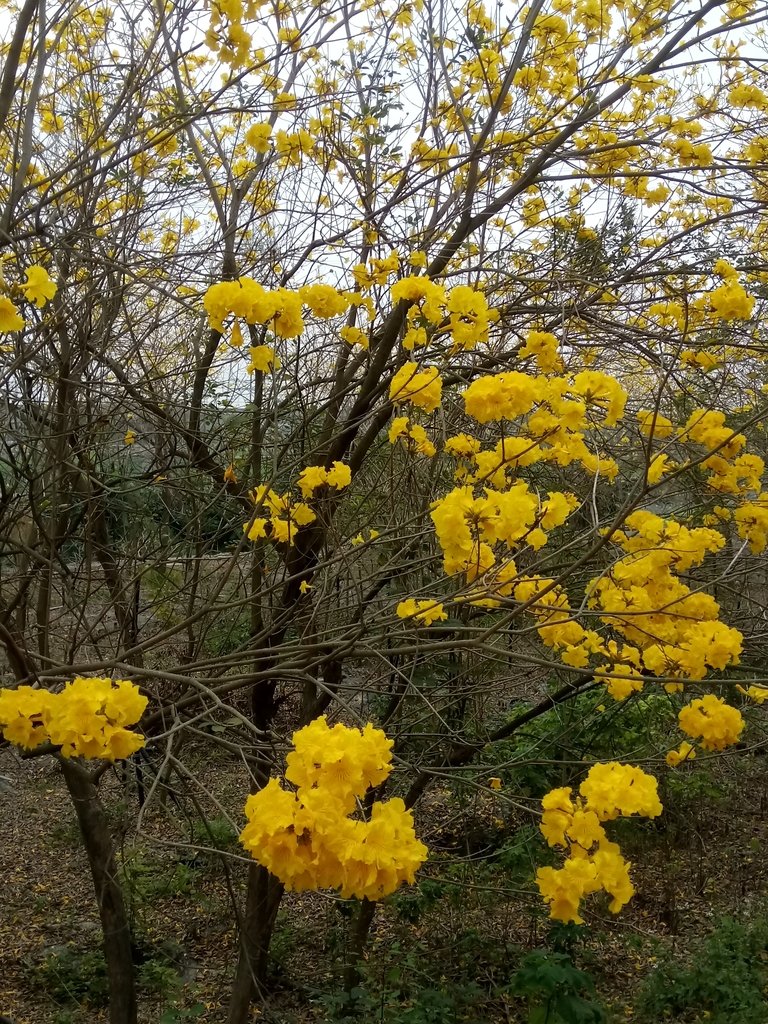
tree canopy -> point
(402, 363)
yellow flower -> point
(230, 477)
(594, 863)
(24, 715)
(614, 789)
(505, 396)
(354, 336)
(711, 721)
(685, 752)
(130, 437)
(658, 468)
(757, 693)
(542, 345)
(313, 477)
(258, 136)
(10, 319)
(293, 146)
(39, 288)
(263, 360)
(236, 337)
(425, 612)
(653, 423)
(422, 388)
(339, 476)
(324, 300)
(731, 302)
(87, 719)
(308, 839)
(292, 36)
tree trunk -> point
(358, 939)
(262, 903)
(264, 891)
(109, 896)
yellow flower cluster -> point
(309, 840)
(354, 336)
(87, 719)
(594, 863)
(542, 345)
(468, 526)
(281, 308)
(462, 309)
(715, 724)
(746, 95)
(424, 612)
(413, 435)
(378, 271)
(752, 522)
(231, 41)
(263, 359)
(644, 600)
(38, 289)
(258, 136)
(731, 470)
(286, 514)
(247, 300)
(422, 388)
(506, 396)
(313, 477)
(558, 628)
(670, 630)
(730, 301)
(555, 413)
(292, 147)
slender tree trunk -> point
(264, 891)
(262, 903)
(358, 939)
(109, 896)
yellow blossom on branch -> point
(89, 718)
(422, 388)
(313, 477)
(263, 359)
(715, 724)
(425, 612)
(258, 136)
(310, 840)
(10, 318)
(38, 288)
(594, 863)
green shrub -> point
(218, 833)
(146, 880)
(158, 978)
(555, 991)
(723, 982)
(73, 976)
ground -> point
(459, 937)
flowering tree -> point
(340, 338)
